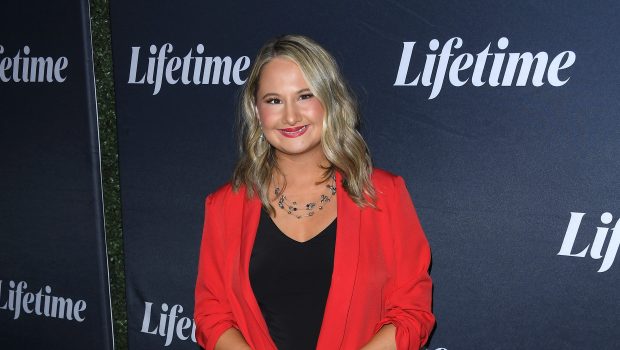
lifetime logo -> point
(170, 325)
(18, 301)
(194, 68)
(598, 243)
(499, 74)
(23, 68)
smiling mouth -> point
(294, 132)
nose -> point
(291, 114)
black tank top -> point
(291, 281)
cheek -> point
(315, 110)
(266, 115)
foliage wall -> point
(100, 26)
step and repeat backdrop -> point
(502, 116)
(54, 288)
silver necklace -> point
(309, 208)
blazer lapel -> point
(345, 269)
(254, 317)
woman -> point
(309, 246)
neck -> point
(301, 170)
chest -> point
(304, 228)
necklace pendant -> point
(309, 208)
(332, 188)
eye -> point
(273, 101)
(306, 96)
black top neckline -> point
(291, 282)
(265, 216)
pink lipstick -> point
(294, 132)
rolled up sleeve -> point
(408, 302)
(212, 312)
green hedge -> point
(102, 47)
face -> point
(291, 116)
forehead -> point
(282, 72)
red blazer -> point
(380, 271)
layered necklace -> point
(307, 210)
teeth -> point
(294, 131)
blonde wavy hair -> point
(342, 144)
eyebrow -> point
(274, 94)
(268, 94)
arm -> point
(408, 302)
(214, 319)
(231, 339)
(384, 339)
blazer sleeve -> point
(408, 302)
(212, 311)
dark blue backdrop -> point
(51, 214)
(495, 172)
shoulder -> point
(225, 195)
(384, 180)
(382, 176)
(389, 189)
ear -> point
(256, 114)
